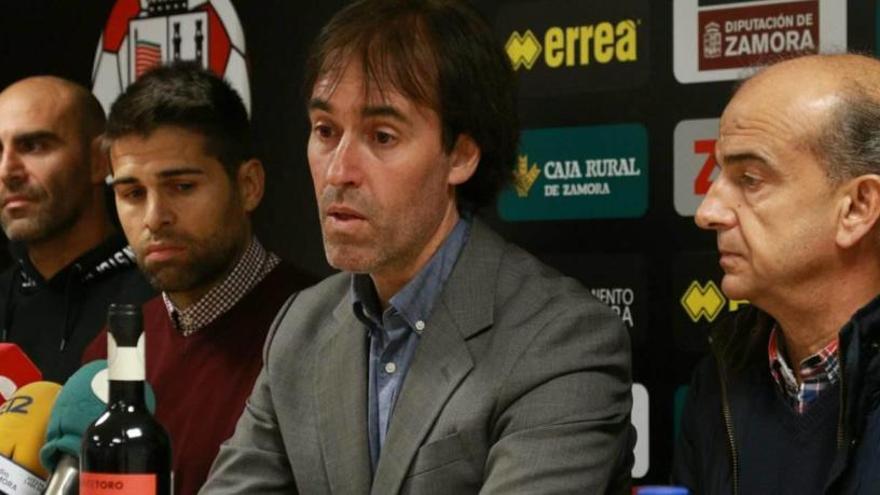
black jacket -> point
(709, 452)
(54, 320)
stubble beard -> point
(392, 246)
(347, 255)
(51, 218)
(394, 239)
(346, 252)
(207, 262)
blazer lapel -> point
(442, 359)
(341, 381)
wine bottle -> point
(125, 451)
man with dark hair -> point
(70, 262)
(788, 403)
(185, 182)
(443, 360)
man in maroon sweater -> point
(185, 183)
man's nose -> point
(714, 213)
(345, 167)
(12, 169)
(158, 214)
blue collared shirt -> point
(394, 333)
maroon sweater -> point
(202, 381)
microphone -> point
(65, 478)
(23, 420)
(16, 370)
(83, 398)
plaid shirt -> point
(251, 268)
(817, 373)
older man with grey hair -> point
(789, 401)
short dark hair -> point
(441, 54)
(185, 95)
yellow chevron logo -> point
(523, 50)
(524, 177)
(703, 301)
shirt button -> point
(420, 325)
(390, 368)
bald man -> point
(788, 403)
(69, 261)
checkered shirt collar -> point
(251, 268)
(818, 372)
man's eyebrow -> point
(165, 174)
(367, 112)
(175, 172)
(319, 104)
(385, 111)
(31, 136)
(746, 157)
(123, 180)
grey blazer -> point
(520, 384)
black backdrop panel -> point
(600, 64)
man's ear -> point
(465, 158)
(859, 209)
(100, 161)
(251, 181)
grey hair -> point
(849, 141)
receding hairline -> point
(849, 84)
(846, 76)
(847, 70)
(79, 102)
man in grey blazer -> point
(442, 359)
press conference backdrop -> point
(619, 106)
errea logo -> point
(572, 46)
(523, 50)
(703, 301)
(560, 47)
(706, 301)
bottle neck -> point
(126, 370)
(131, 393)
(126, 363)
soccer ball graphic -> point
(142, 33)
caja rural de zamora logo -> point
(579, 172)
(140, 34)
(524, 177)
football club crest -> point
(140, 34)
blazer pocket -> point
(437, 454)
